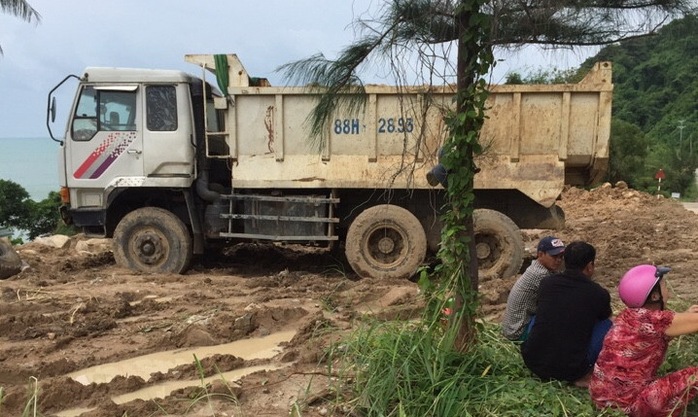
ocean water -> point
(31, 163)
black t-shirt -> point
(569, 305)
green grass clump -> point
(404, 369)
(411, 369)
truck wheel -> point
(498, 245)
(10, 262)
(152, 239)
(385, 241)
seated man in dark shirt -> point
(572, 318)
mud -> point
(72, 310)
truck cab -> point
(129, 128)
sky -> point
(265, 34)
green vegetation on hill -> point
(655, 108)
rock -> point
(10, 262)
(94, 246)
(53, 241)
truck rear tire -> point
(10, 262)
(498, 245)
(386, 241)
(152, 239)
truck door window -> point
(161, 108)
(85, 120)
(100, 110)
(117, 110)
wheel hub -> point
(149, 248)
(386, 245)
(482, 250)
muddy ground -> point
(261, 316)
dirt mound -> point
(628, 227)
(266, 314)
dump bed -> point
(537, 138)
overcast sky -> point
(74, 34)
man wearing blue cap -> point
(572, 318)
(521, 303)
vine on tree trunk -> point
(457, 272)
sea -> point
(31, 163)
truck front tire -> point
(498, 245)
(385, 241)
(151, 239)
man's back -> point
(569, 305)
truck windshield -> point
(101, 109)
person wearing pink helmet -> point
(625, 374)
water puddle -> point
(73, 412)
(258, 348)
(164, 389)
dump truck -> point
(170, 165)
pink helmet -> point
(637, 283)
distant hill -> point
(656, 79)
(656, 91)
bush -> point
(20, 213)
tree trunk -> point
(468, 54)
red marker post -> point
(659, 176)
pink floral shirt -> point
(625, 374)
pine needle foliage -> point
(21, 9)
(331, 79)
(559, 23)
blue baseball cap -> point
(551, 245)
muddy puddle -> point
(143, 366)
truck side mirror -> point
(52, 109)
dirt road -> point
(102, 341)
(691, 206)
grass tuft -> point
(401, 369)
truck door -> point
(168, 151)
(104, 142)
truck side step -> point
(278, 237)
(292, 198)
(280, 218)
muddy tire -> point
(10, 262)
(385, 241)
(152, 239)
(498, 245)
